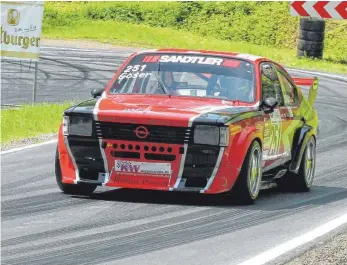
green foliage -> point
(30, 121)
(146, 36)
(256, 22)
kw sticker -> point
(142, 168)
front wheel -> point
(247, 185)
(72, 189)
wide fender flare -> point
(66, 163)
(300, 140)
(239, 148)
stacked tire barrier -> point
(311, 38)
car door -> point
(290, 120)
(274, 153)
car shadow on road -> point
(268, 200)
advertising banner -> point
(21, 24)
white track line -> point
(279, 250)
(28, 147)
(338, 77)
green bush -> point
(261, 23)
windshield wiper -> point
(160, 82)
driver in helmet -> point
(241, 85)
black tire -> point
(241, 192)
(311, 35)
(301, 53)
(301, 182)
(72, 189)
(311, 46)
(312, 25)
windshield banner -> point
(191, 60)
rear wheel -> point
(73, 189)
(302, 181)
(247, 186)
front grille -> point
(125, 154)
(159, 134)
(163, 157)
(196, 182)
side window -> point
(290, 95)
(270, 83)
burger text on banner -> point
(21, 24)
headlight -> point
(66, 123)
(77, 125)
(211, 135)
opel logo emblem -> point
(141, 132)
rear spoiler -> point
(307, 81)
(303, 81)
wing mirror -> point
(269, 104)
(97, 92)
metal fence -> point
(63, 74)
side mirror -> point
(270, 103)
(97, 92)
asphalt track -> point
(40, 225)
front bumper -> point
(193, 168)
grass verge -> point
(127, 34)
(30, 121)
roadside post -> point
(21, 25)
(312, 23)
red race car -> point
(198, 121)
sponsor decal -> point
(234, 129)
(193, 92)
(125, 167)
(273, 135)
(248, 56)
(13, 17)
(190, 59)
(147, 181)
(151, 59)
(135, 110)
(21, 24)
(290, 112)
(231, 63)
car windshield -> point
(193, 75)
